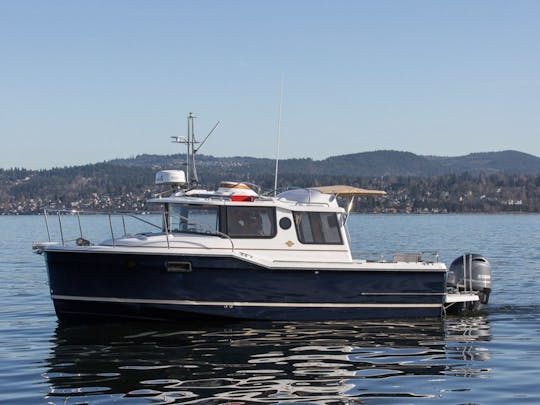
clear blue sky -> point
(88, 81)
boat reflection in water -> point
(334, 362)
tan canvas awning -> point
(348, 191)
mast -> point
(278, 137)
(190, 142)
(194, 180)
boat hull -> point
(161, 286)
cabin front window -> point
(193, 218)
(317, 228)
(251, 222)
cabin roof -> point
(214, 198)
(348, 191)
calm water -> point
(490, 358)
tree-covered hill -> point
(479, 182)
(378, 163)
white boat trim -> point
(460, 297)
(231, 304)
(52, 246)
(263, 262)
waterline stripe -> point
(238, 304)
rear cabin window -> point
(251, 222)
(193, 218)
(317, 228)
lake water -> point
(492, 357)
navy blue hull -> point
(148, 286)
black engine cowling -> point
(474, 275)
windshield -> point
(193, 218)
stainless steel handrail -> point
(424, 256)
(467, 273)
(165, 227)
(112, 232)
(61, 227)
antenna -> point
(190, 141)
(278, 137)
(181, 139)
(194, 180)
(207, 136)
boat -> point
(237, 253)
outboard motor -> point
(474, 275)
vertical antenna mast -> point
(190, 141)
(278, 137)
(195, 179)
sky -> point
(89, 81)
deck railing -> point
(62, 214)
(467, 271)
(115, 231)
(408, 257)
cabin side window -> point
(317, 228)
(193, 218)
(251, 222)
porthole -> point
(285, 223)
